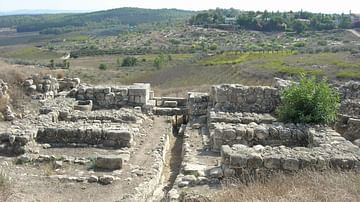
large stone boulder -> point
(109, 162)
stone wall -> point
(198, 104)
(67, 84)
(44, 86)
(348, 121)
(169, 106)
(349, 128)
(240, 117)
(326, 149)
(14, 141)
(350, 107)
(5, 108)
(114, 116)
(252, 134)
(350, 90)
(83, 136)
(170, 102)
(238, 98)
(115, 97)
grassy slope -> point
(303, 186)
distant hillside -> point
(124, 16)
(38, 12)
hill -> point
(120, 16)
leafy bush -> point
(308, 102)
(299, 44)
(102, 66)
(213, 47)
(322, 43)
(159, 61)
(129, 62)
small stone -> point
(202, 180)
(196, 126)
(93, 178)
(216, 172)
(23, 159)
(183, 183)
(173, 195)
(46, 146)
(58, 164)
(189, 178)
(357, 142)
(106, 179)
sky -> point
(324, 6)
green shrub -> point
(129, 61)
(159, 61)
(308, 102)
(103, 66)
(175, 41)
(300, 44)
(322, 43)
(213, 47)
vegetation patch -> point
(280, 66)
(234, 57)
(303, 186)
(31, 52)
(351, 74)
(5, 186)
(308, 101)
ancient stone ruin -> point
(120, 135)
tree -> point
(309, 101)
(102, 66)
(159, 61)
(344, 22)
(129, 61)
(52, 63)
(299, 26)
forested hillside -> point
(64, 22)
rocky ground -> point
(69, 173)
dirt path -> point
(173, 162)
(354, 32)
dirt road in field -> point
(356, 33)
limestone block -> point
(261, 132)
(254, 161)
(111, 162)
(238, 160)
(170, 104)
(291, 164)
(272, 162)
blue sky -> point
(325, 6)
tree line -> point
(273, 21)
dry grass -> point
(5, 188)
(303, 186)
(48, 168)
(14, 76)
